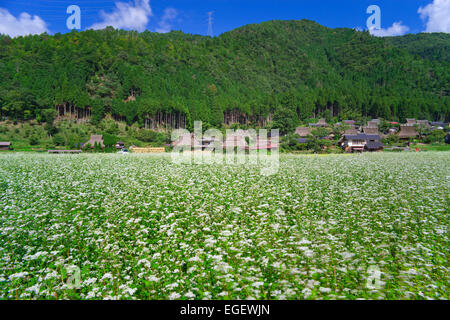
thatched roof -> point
(372, 124)
(303, 131)
(407, 131)
(351, 131)
(96, 139)
(322, 122)
(186, 140)
(263, 144)
(411, 122)
(424, 123)
(5, 144)
(370, 130)
(235, 140)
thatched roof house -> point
(350, 122)
(411, 122)
(320, 123)
(263, 144)
(373, 124)
(95, 139)
(351, 131)
(407, 132)
(187, 140)
(371, 130)
(238, 139)
(303, 131)
(424, 123)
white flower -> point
(174, 296)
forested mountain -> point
(296, 68)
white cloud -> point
(22, 26)
(397, 29)
(437, 15)
(165, 25)
(126, 16)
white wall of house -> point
(356, 143)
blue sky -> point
(19, 17)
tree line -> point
(251, 75)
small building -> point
(351, 131)
(411, 122)
(95, 139)
(373, 142)
(5, 145)
(351, 123)
(361, 142)
(321, 123)
(371, 130)
(120, 145)
(373, 124)
(263, 144)
(407, 132)
(186, 140)
(303, 131)
(439, 125)
(423, 123)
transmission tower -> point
(210, 24)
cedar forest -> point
(251, 75)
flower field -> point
(371, 226)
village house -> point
(411, 122)
(407, 132)
(423, 123)
(321, 123)
(303, 131)
(235, 140)
(95, 139)
(351, 131)
(439, 125)
(350, 123)
(371, 130)
(361, 142)
(263, 144)
(5, 145)
(187, 140)
(120, 145)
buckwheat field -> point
(371, 226)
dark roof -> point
(439, 124)
(362, 136)
(302, 140)
(423, 123)
(374, 145)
